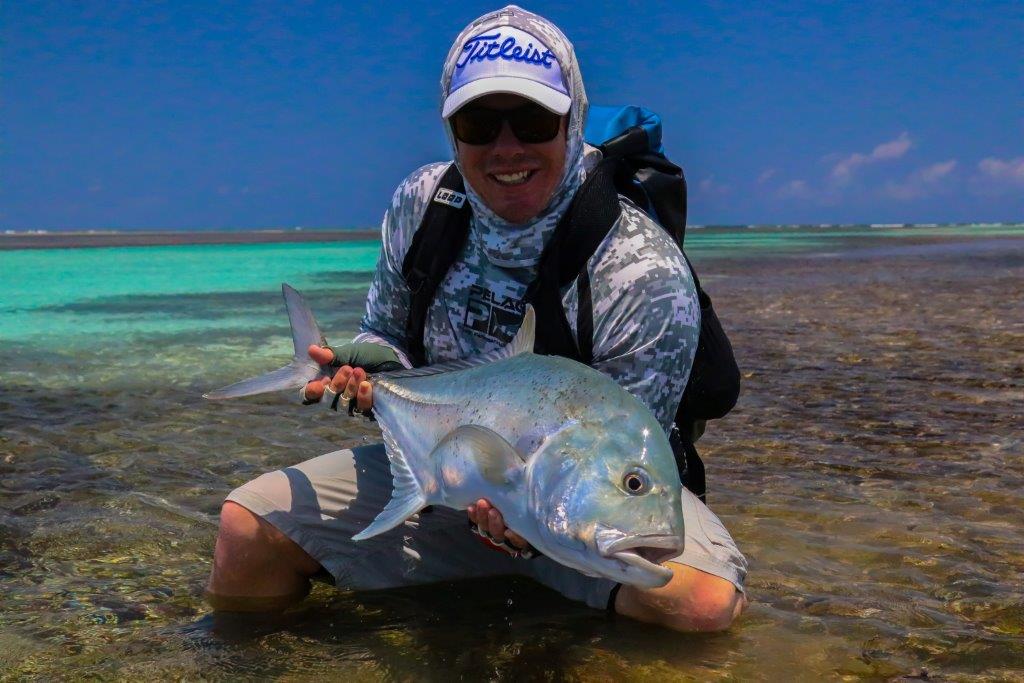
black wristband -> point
(611, 598)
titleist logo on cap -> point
(507, 51)
(492, 46)
(505, 59)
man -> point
(514, 107)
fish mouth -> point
(643, 552)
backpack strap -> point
(435, 246)
(592, 213)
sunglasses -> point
(530, 123)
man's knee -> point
(253, 557)
(692, 601)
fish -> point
(577, 465)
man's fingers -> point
(515, 539)
(354, 380)
(489, 520)
(320, 354)
(497, 525)
(482, 521)
(314, 390)
(341, 378)
(364, 396)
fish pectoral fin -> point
(407, 496)
(403, 505)
(493, 458)
(406, 500)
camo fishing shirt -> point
(646, 313)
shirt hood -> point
(521, 244)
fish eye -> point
(636, 482)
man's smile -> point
(512, 178)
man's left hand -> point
(488, 519)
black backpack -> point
(632, 167)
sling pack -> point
(634, 166)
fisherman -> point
(514, 109)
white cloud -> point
(766, 175)
(795, 189)
(1003, 171)
(921, 182)
(886, 151)
(710, 186)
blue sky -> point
(229, 115)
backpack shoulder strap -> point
(591, 215)
(435, 246)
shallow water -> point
(872, 472)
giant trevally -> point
(576, 464)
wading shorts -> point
(322, 502)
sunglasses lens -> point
(533, 123)
(476, 126)
(530, 123)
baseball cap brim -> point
(538, 92)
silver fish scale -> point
(546, 392)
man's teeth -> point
(512, 178)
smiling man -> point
(514, 109)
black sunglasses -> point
(531, 123)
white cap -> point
(507, 60)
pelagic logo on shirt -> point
(488, 315)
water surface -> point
(872, 471)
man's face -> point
(495, 170)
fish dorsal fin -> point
(524, 339)
(522, 343)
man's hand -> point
(353, 362)
(488, 519)
(347, 381)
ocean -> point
(872, 471)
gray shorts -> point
(321, 503)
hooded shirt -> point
(645, 309)
(519, 245)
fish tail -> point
(300, 370)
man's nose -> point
(506, 143)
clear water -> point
(872, 472)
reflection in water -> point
(872, 473)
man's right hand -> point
(353, 362)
